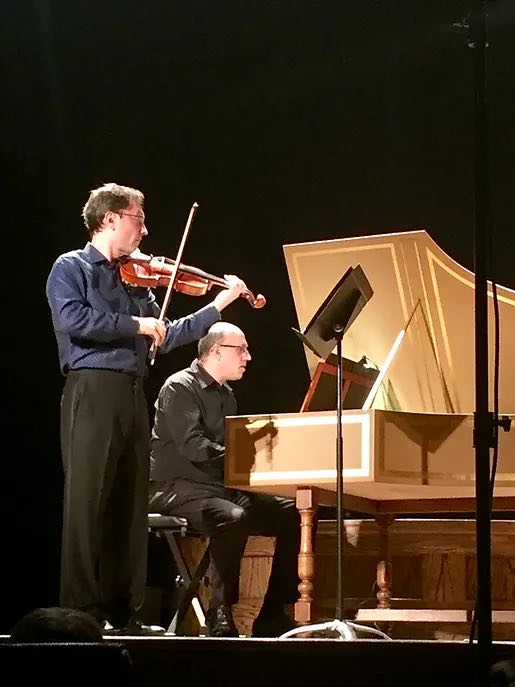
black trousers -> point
(228, 517)
(105, 448)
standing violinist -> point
(104, 331)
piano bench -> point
(171, 529)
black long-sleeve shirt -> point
(189, 427)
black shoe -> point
(133, 627)
(220, 622)
(274, 624)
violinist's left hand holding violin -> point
(235, 289)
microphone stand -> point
(484, 422)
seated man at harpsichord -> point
(187, 480)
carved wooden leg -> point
(304, 607)
(384, 567)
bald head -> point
(217, 333)
(224, 352)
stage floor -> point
(322, 662)
(182, 661)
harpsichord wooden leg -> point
(384, 566)
(306, 505)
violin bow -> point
(173, 278)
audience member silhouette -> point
(64, 646)
(502, 674)
(56, 624)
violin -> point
(139, 269)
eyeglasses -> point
(241, 349)
(140, 217)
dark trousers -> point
(228, 517)
(105, 449)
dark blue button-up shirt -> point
(93, 315)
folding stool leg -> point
(191, 585)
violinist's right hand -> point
(235, 288)
(152, 327)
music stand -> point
(326, 328)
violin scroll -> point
(256, 302)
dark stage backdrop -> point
(286, 120)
